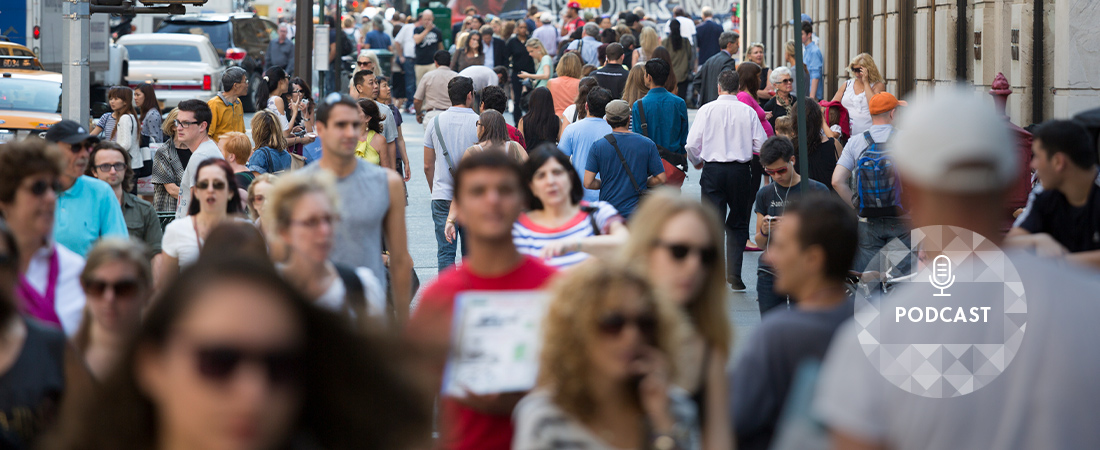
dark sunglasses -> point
(122, 289)
(218, 363)
(779, 171)
(785, 80)
(38, 188)
(77, 148)
(296, 91)
(707, 255)
(119, 167)
(857, 70)
(613, 325)
(365, 63)
(218, 185)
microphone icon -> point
(942, 276)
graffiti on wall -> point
(660, 10)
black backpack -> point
(344, 43)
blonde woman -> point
(117, 282)
(855, 93)
(168, 166)
(270, 154)
(564, 86)
(676, 243)
(788, 56)
(605, 379)
(767, 88)
(542, 71)
(647, 42)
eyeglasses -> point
(123, 289)
(219, 362)
(779, 171)
(314, 222)
(119, 167)
(77, 148)
(183, 124)
(38, 188)
(218, 185)
(707, 255)
(613, 324)
(785, 80)
(857, 70)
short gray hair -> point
(232, 76)
(592, 29)
(727, 38)
(707, 12)
(778, 73)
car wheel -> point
(250, 99)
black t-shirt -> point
(613, 78)
(184, 156)
(822, 162)
(31, 390)
(778, 110)
(244, 179)
(425, 50)
(521, 60)
(772, 199)
(1077, 229)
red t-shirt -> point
(464, 428)
(515, 135)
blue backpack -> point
(877, 184)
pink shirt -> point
(748, 99)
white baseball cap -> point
(955, 142)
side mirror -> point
(99, 109)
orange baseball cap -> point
(884, 102)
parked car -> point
(240, 39)
(30, 100)
(179, 66)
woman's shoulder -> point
(180, 227)
(537, 404)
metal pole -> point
(75, 78)
(803, 91)
(303, 41)
(322, 71)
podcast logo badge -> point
(945, 314)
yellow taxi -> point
(30, 98)
(27, 59)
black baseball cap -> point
(69, 132)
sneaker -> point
(737, 285)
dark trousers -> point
(728, 187)
(766, 297)
(517, 93)
(757, 174)
(682, 91)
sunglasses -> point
(77, 148)
(785, 80)
(857, 70)
(218, 363)
(779, 171)
(218, 185)
(707, 255)
(119, 167)
(613, 324)
(38, 188)
(122, 289)
(185, 124)
(364, 63)
(296, 91)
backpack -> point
(346, 46)
(877, 184)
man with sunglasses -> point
(192, 125)
(721, 142)
(111, 165)
(87, 209)
(778, 158)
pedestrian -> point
(707, 34)
(168, 164)
(663, 54)
(237, 150)
(446, 138)
(110, 163)
(612, 76)
(385, 97)
(87, 209)
(783, 102)
(404, 48)
(541, 76)
(301, 94)
(432, 94)
(571, 20)
(635, 87)
(494, 98)
(608, 36)
(577, 111)
(43, 376)
(484, 76)
(706, 81)
(723, 142)
(377, 213)
(682, 58)
(118, 283)
(748, 74)
(541, 124)
(629, 43)
(48, 287)
(578, 137)
(815, 62)
(429, 40)
(587, 46)
(624, 176)
(882, 216)
(125, 129)
(546, 34)
(855, 94)
(788, 57)
(531, 18)
(1064, 216)
(366, 60)
(563, 87)
(370, 136)
(675, 245)
(280, 51)
(489, 195)
(269, 95)
(958, 164)
(468, 52)
(377, 39)
(149, 121)
(647, 42)
(588, 393)
(779, 160)
(226, 109)
(366, 87)
(822, 150)
(233, 344)
(521, 62)
(496, 55)
(269, 152)
(215, 199)
(814, 245)
(559, 226)
(766, 89)
(258, 192)
(662, 117)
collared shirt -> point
(666, 119)
(226, 116)
(432, 90)
(68, 294)
(85, 212)
(207, 149)
(281, 55)
(408, 44)
(589, 49)
(142, 222)
(577, 141)
(815, 63)
(458, 125)
(548, 35)
(725, 130)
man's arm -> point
(840, 184)
(429, 165)
(419, 37)
(590, 181)
(813, 87)
(694, 145)
(211, 130)
(401, 263)
(1089, 258)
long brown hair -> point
(581, 103)
(267, 131)
(127, 96)
(635, 87)
(150, 103)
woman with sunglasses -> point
(233, 357)
(302, 211)
(49, 274)
(676, 242)
(855, 94)
(117, 282)
(214, 199)
(782, 103)
(604, 375)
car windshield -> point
(30, 95)
(163, 52)
(218, 33)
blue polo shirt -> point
(86, 212)
(616, 188)
(666, 117)
(577, 141)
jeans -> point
(517, 94)
(874, 234)
(446, 252)
(727, 187)
(409, 66)
(767, 298)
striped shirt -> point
(530, 238)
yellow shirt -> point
(364, 151)
(226, 117)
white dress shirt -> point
(725, 130)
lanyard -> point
(42, 306)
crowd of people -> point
(173, 282)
